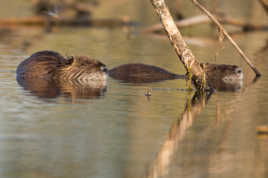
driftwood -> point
(43, 21)
(221, 29)
(264, 4)
(199, 41)
(181, 23)
(202, 19)
(184, 53)
(262, 129)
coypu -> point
(141, 73)
(223, 77)
(84, 76)
(50, 65)
(47, 74)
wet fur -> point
(49, 65)
(141, 73)
(223, 77)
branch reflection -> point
(194, 106)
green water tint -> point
(121, 133)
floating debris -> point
(262, 130)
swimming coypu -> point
(223, 77)
(47, 74)
(50, 65)
(85, 71)
(141, 73)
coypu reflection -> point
(48, 74)
(48, 71)
(51, 89)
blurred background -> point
(120, 132)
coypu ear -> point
(101, 66)
(69, 60)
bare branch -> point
(184, 53)
(203, 9)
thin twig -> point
(203, 19)
(264, 4)
(202, 8)
(181, 23)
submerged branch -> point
(203, 19)
(264, 4)
(181, 23)
(203, 9)
(43, 21)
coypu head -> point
(84, 70)
(224, 77)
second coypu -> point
(141, 73)
(50, 65)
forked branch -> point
(203, 9)
(184, 53)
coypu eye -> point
(103, 68)
(238, 70)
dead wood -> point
(181, 23)
(43, 21)
(221, 29)
(264, 4)
(191, 64)
(203, 19)
(199, 41)
(262, 129)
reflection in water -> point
(193, 108)
(118, 135)
(51, 89)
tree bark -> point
(184, 53)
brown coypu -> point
(48, 67)
(141, 73)
(51, 65)
(223, 77)
(47, 74)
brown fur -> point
(141, 73)
(49, 73)
(223, 77)
(51, 65)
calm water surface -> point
(122, 133)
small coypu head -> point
(224, 77)
(233, 75)
(84, 70)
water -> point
(122, 133)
